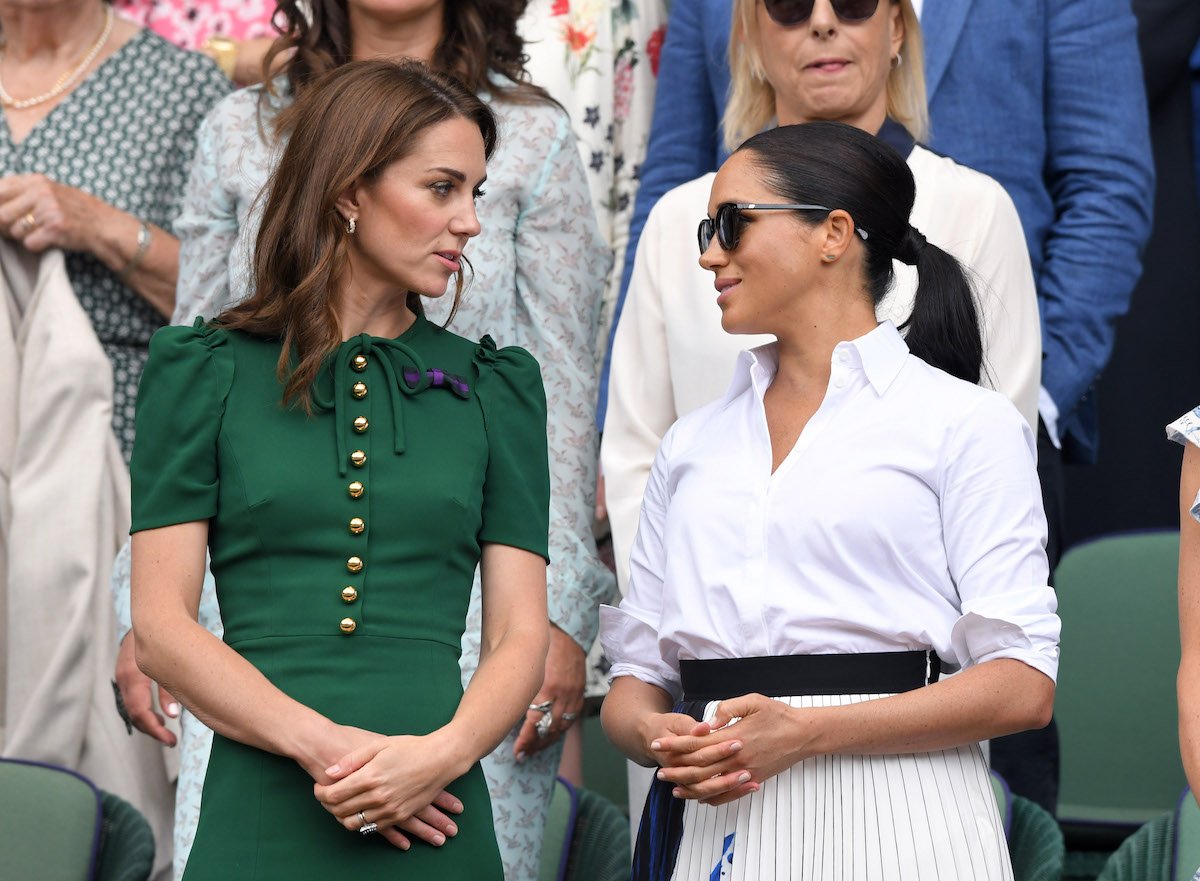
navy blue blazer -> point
(1046, 96)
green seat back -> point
(1035, 843)
(50, 821)
(127, 842)
(1145, 855)
(1115, 703)
(600, 849)
(560, 823)
(1187, 837)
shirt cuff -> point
(631, 646)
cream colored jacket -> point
(64, 512)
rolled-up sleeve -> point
(994, 529)
(630, 632)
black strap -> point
(794, 675)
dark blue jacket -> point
(1046, 96)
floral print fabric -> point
(599, 60)
(188, 23)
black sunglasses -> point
(727, 225)
(790, 12)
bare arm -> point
(635, 714)
(1188, 681)
(225, 691)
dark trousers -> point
(1029, 760)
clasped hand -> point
(41, 213)
(749, 740)
(398, 783)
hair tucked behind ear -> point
(829, 163)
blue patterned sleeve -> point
(562, 264)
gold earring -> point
(351, 225)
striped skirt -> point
(834, 818)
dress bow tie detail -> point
(406, 375)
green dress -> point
(343, 545)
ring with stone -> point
(569, 717)
(543, 707)
(30, 220)
(366, 828)
(543, 724)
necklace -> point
(67, 79)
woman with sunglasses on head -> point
(536, 277)
(793, 61)
(853, 512)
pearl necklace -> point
(67, 79)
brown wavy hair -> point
(348, 126)
(480, 45)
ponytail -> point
(943, 329)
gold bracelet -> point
(139, 254)
(224, 51)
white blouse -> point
(671, 356)
(907, 516)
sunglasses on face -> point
(792, 12)
(727, 225)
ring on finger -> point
(569, 717)
(30, 220)
(543, 707)
(543, 724)
(366, 828)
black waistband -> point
(790, 675)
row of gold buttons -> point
(356, 489)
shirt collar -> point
(879, 354)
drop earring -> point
(351, 225)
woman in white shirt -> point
(669, 352)
(854, 512)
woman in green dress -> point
(347, 463)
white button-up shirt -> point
(908, 515)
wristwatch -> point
(222, 50)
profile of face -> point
(414, 219)
(827, 68)
(779, 261)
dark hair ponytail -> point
(830, 163)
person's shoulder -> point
(956, 406)
(535, 118)
(177, 66)
(682, 203)
(948, 176)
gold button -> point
(357, 525)
(359, 363)
(354, 564)
(349, 594)
(348, 625)
(360, 424)
(355, 489)
(359, 389)
(358, 458)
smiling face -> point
(825, 68)
(415, 218)
(776, 260)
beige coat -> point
(64, 512)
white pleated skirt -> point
(915, 817)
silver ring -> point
(543, 724)
(569, 717)
(366, 828)
(543, 707)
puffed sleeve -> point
(180, 405)
(994, 531)
(516, 489)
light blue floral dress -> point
(540, 268)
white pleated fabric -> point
(915, 817)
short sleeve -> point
(516, 491)
(180, 405)
(1186, 430)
